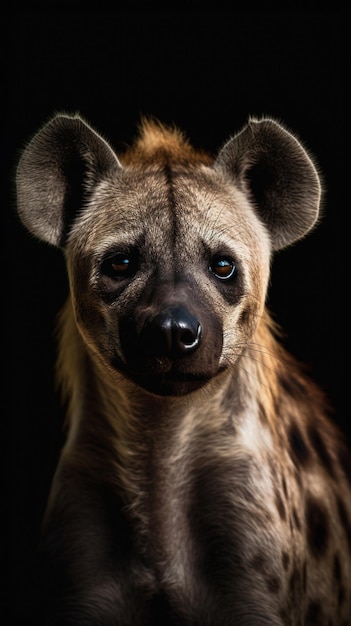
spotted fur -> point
(202, 480)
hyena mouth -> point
(171, 384)
(161, 380)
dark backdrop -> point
(205, 70)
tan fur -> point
(202, 480)
(158, 143)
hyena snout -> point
(170, 349)
(172, 333)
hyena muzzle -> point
(202, 481)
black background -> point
(206, 71)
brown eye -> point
(223, 267)
(119, 266)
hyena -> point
(202, 481)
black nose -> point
(173, 333)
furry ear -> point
(268, 163)
(56, 173)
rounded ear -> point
(271, 166)
(56, 172)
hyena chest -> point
(272, 527)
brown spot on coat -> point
(314, 614)
(337, 568)
(300, 452)
(317, 526)
(304, 577)
(273, 584)
(259, 562)
(285, 560)
(322, 450)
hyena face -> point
(168, 251)
(171, 305)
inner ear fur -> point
(56, 172)
(268, 163)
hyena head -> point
(168, 250)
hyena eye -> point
(223, 267)
(120, 266)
